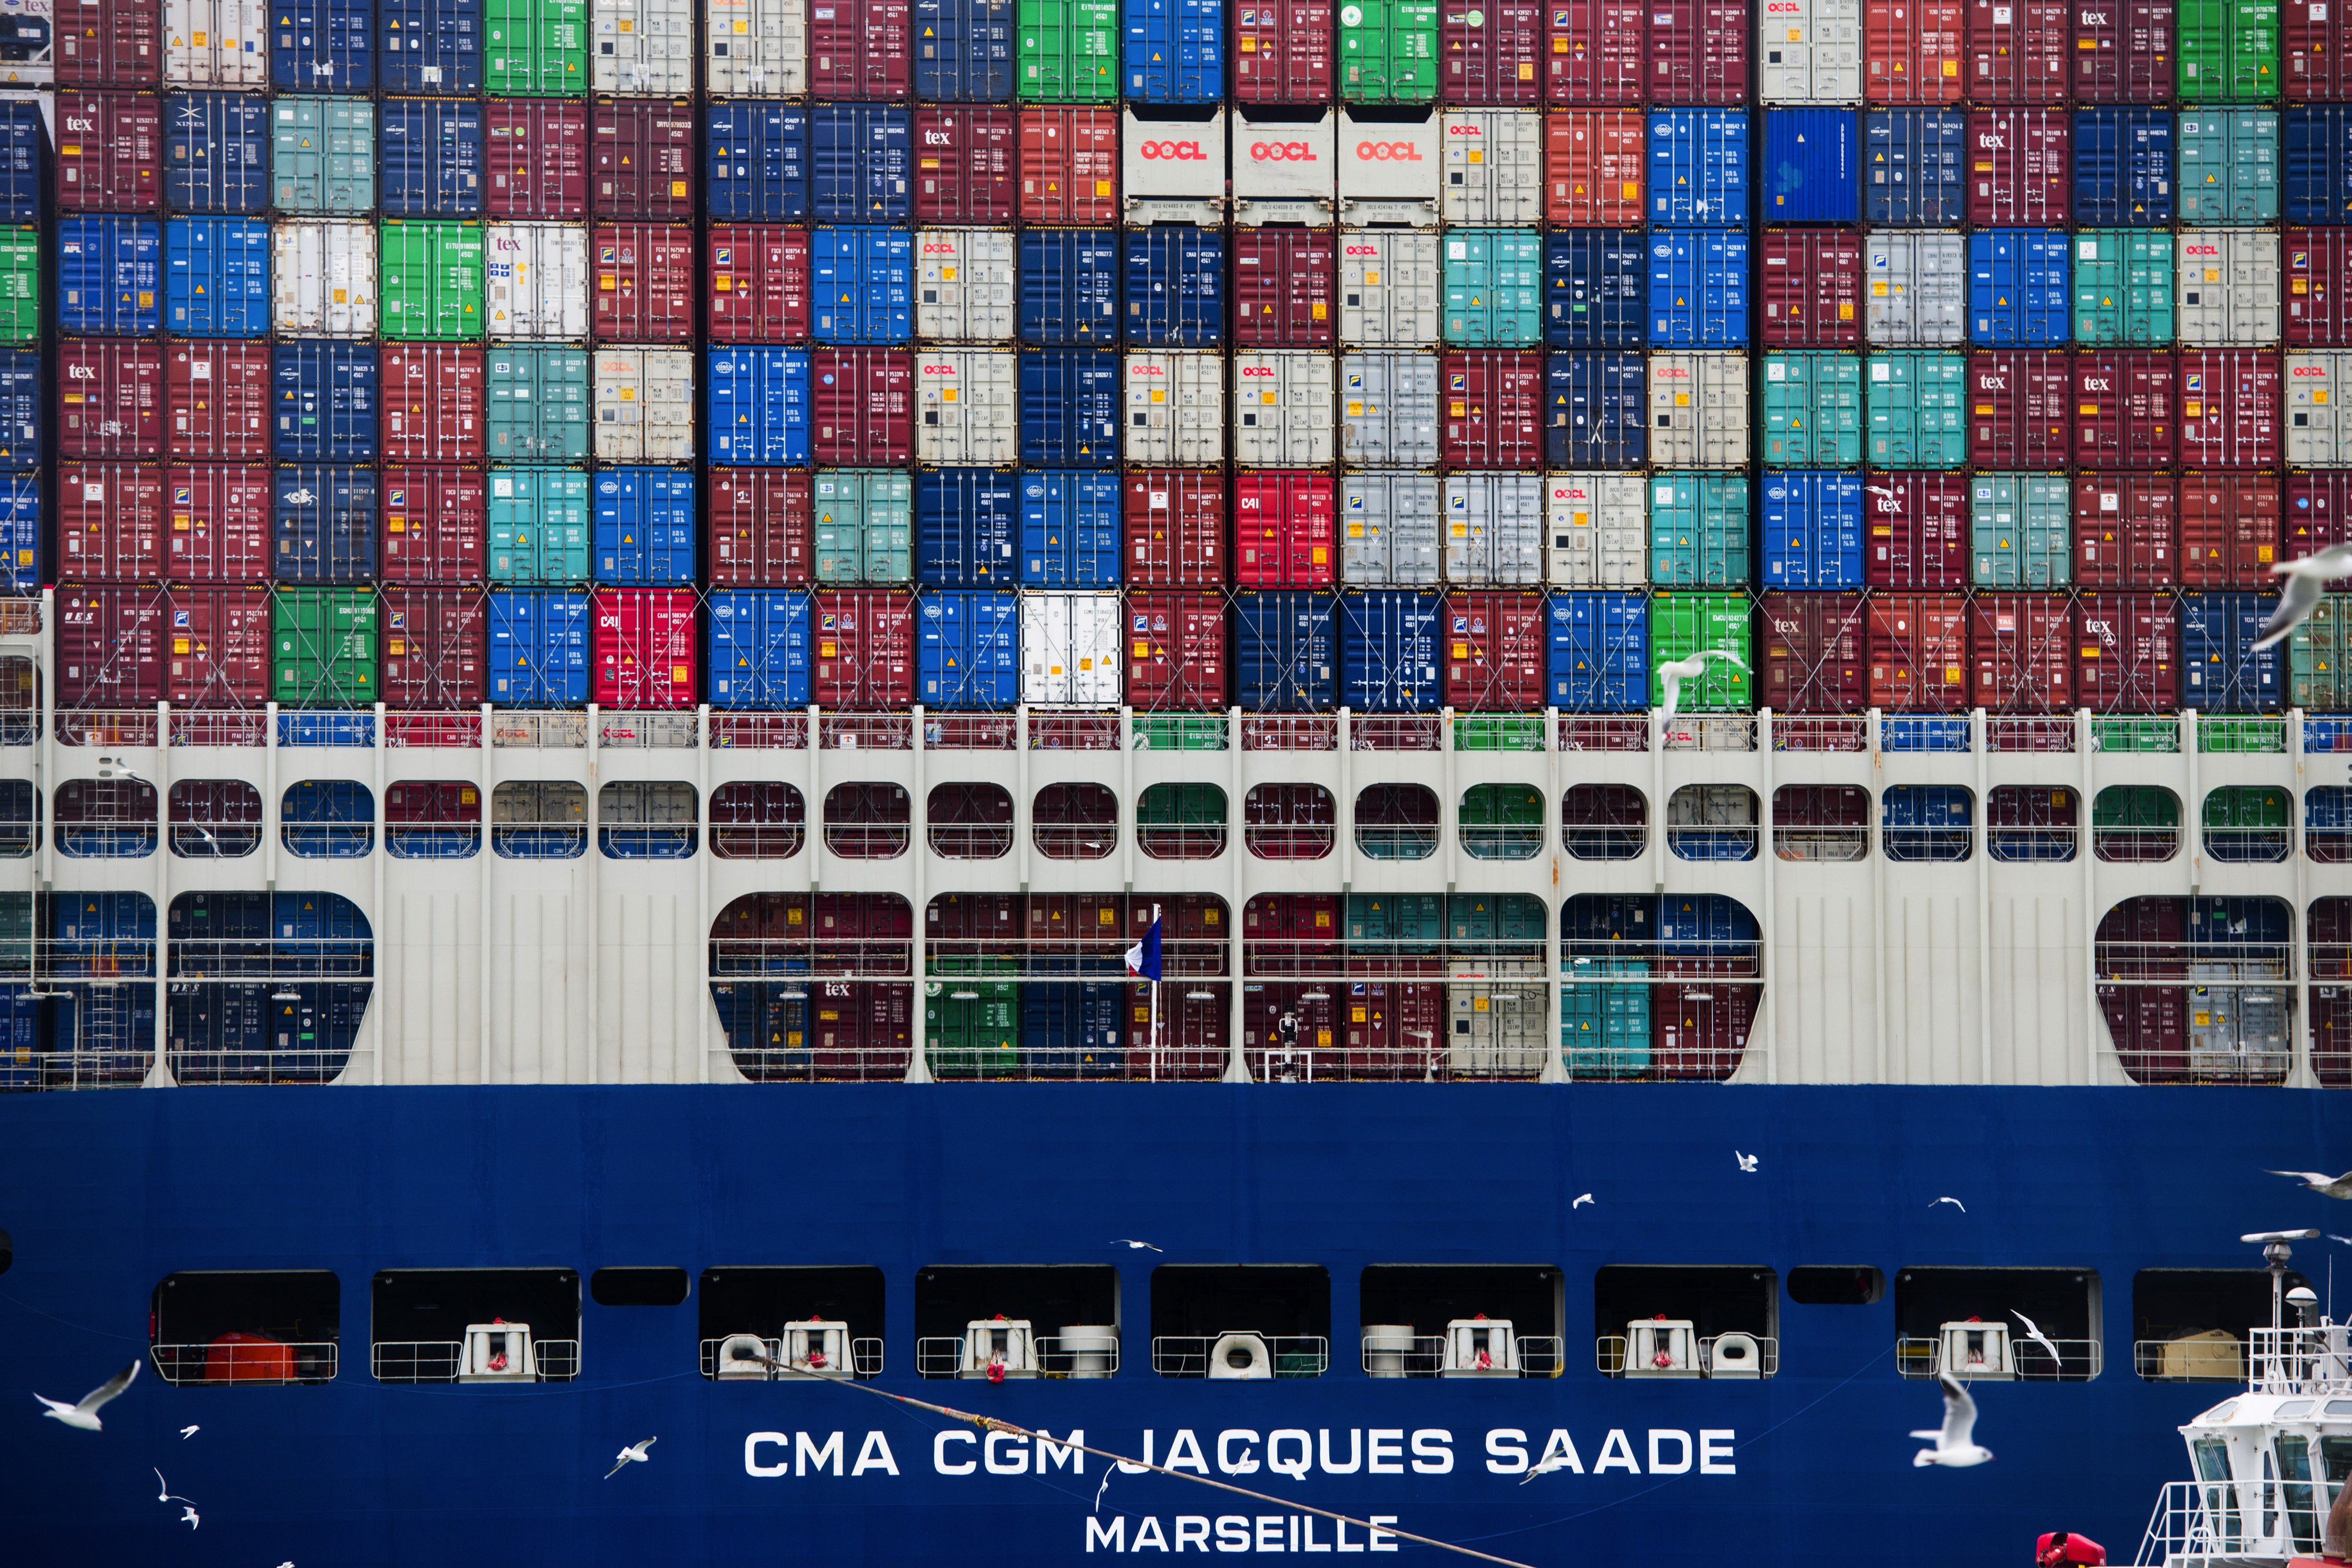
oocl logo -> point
(938, 250)
(1184, 152)
(1388, 152)
(939, 370)
(1257, 370)
(1363, 250)
(1465, 131)
(2309, 371)
(1283, 153)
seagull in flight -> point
(1955, 1202)
(2323, 1183)
(1100, 1489)
(634, 1454)
(1544, 1467)
(2033, 1331)
(1956, 1443)
(1581, 1199)
(188, 1517)
(1672, 672)
(2307, 579)
(1133, 1246)
(83, 1417)
(1747, 1162)
(167, 1494)
(188, 1432)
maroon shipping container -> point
(110, 151)
(2126, 530)
(859, 1031)
(1176, 651)
(2141, 938)
(1918, 646)
(219, 522)
(1919, 530)
(864, 402)
(758, 527)
(1069, 166)
(644, 283)
(2313, 37)
(1286, 530)
(1490, 52)
(1175, 528)
(1290, 933)
(759, 283)
(111, 43)
(1811, 280)
(1593, 167)
(861, 648)
(1911, 51)
(1490, 410)
(2319, 287)
(1813, 652)
(1596, 52)
(431, 399)
(648, 649)
(1394, 1031)
(1284, 288)
(2318, 512)
(2127, 646)
(2019, 645)
(1495, 646)
(965, 155)
(2229, 529)
(535, 157)
(1698, 1032)
(217, 646)
(2125, 415)
(109, 522)
(216, 400)
(1282, 52)
(2018, 401)
(1300, 1052)
(857, 49)
(2123, 51)
(110, 647)
(109, 399)
(2229, 408)
(2016, 52)
(641, 155)
(432, 647)
(432, 521)
(1698, 51)
(2020, 164)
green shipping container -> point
(1698, 531)
(1501, 823)
(1604, 1023)
(1919, 410)
(1683, 624)
(322, 155)
(2241, 736)
(2135, 808)
(2022, 531)
(323, 647)
(2140, 734)
(1498, 732)
(865, 525)
(430, 285)
(535, 48)
(2229, 50)
(1388, 51)
(1178, 732)
(2123, 286)
(2318, 679)
(1068, 50)
(1494, 289)
(1398, 923)
(537, 404)
(972, 1027)
(20, 286)
(2229, 161)
(539, 527)
(1813, 411)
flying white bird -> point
(2306, 579)
(634, 1454)
(1135, 1246)
(1544, 1467)
(1955, 1443)
(83, 1417)
(2323, 1183)
(1747, 1162)
(2033, 1331)
(167, 1494)
(1581, 1199)
(1675, 672)
(1100, 1489)
(188, 1517)
(1955, 1202)
(188, 1432)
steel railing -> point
(2078, 1360)
(1711, 732)
(254, 1362)
(228, 1067)
(438, 1360)
(1292, 1355)
(2198, 1523)
(864, 1359)
(1609, 1356)
(1423, 1355)
(67, 1069)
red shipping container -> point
(535, 159)
(110, 151)
(1175, 528)
(1918, 523)
(759, 283)
(1063, 924)
(109, 398)
(1593, 165)
(759, 528)
(2123, 51)
(1290, 933)
(1811, 283)
(1495, 648)
(2319, 287)
(1284, 530)
(862, 640)
(1176, 651)
(965, 155)
(2126, 530)
(217, 399)
(109, 43)
(2127, 648)
(1069, 166)
(2124, 411)
(1919, 652)
(110, 647)
(644, 283)
(857, 50)
(1195, 925)
(433, 525)
(859, 1031)
(2318, 512)
(1282, 52)
(109, 522)
(1284, 288)
(1911, 51)
(641, 155)
(2313, 38)
(1490, 52)
(2017, 53)
(2229, 408)
(2229, 529)
(1490, 413)
(1297, 1054)
(219, 522)
(864, 917)
(1191, 1019)
(431, 399)
(646, 648)
(1813, 652)
(1698, 1032)
(1698, 51)
(2019, 644)
(1596, 51)
(2018, 401)
(217, 646)
(1394, 1031)
(432, 647)
(2020, 164)
(864, 402)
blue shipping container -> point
(326, 401)
(758, 412)
(1813, 166)
(1812, 528)
(755, 153)
(1711, 924)
(2018, 289)
(429, 162)
(216, 152)
(860, 162)
(538, 648)
(20, 531)
(1699, 167)
(1594, 410)
(110, 275)
(216, 277)
(1073, 1028)
(862, 285)
(968, 649)
(1390, 654)
(1698, 289)
(758, 649)
(1598, 651)
(1284, 651)
(432, 47)
(963, 50)
(645, 527)
(1596, 289)
(22, 182)
(2219, 671)
(2317, 150)
(1174, 50)
(1915, 167)
(1069, 408)
(966, 520)
(323, 517)
(1070, 530)
(321, 46)
(2123, 167)
(1175, 285)
(1069, 287)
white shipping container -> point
(2318, 434)
(1390, 287)
(1495, 531)
(1389, 171)
(1070, 649)
(1917, 289)
(967, 406)
(966, 288)
(642, 45)
(2226, 287)
(1498, 1011)
(1599, 526)
(1282, 408)
(535, 281)
(1698, 410)
(1388, 531)
(1175, 409)
(1285, 171)
(322, 277)
(1387, 410)
(1494, 166)
(755, 49)
(216, 43)
(645, 405)
(1172, 170)
(1810, 51)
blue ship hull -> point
(106, 1194)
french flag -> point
(1143, 958)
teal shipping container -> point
(865, 525)
(2022, 531)
(1698, 531)
(537, 404)
(2228, 166)
(1813, 411)
(1604, 1017)
(539, 526)
(1917, 405)
(1493, 288)
(2123, 286)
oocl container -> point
(2125, 413)
(434, 646)
(1918, 530)
(535, 48)
(215, 277)
(2016, 53)
(322, 524)
(1813, 410)
(1069, 525)
(537, 525)
(322, 46)
(2227, 287)
(1918, 651)
(110, 151)
(1598, 529)
(429, 45)
(966, 160)
(2122, 287)
(1811, 52)
(216, 152)
(538, 403)
(1174, 407)
(1069, 165)
(432, 518)
(1698, 51)
(1596, 289)
(1698, 410)
(109, 522)
(1911, 51)
(1070, 408)
(760, 405)
(1285, 170)
(1173, 167)
(2018, 288)
(1494, 530)
(645, 646)
(536, 281)
(644, 405)
(1599, 651)
(2122, 52)
(1176, 651)
(1284, 283)
(2126, 652)
(1916, 290)
(1387, 410)
(322, 154)
(1595, 408)
(2020, 409)
(2230, 534)
(758, 527)
(1282, 407)
(965, 285)
(863, 278)
(322, 275)
(109, 399)
(1493, 166)
(2021, 530)
(759, 284)
(537, 649)
(216, 401)
(1390, 169)
(432, 280)
(1917, 407)
(1698, 531)
(755, 49)
(326, 401)
(2229, 408)
(1698, 294)
(2126, 530)
(1173, 522)
(967, 405)
(1068, 53)
(433, 403)
(1390, 529)
(1811, 280)
(1390, 287)
(2314, 382)
(1812, 529)
(756, 164)
(2229, 50)
(429, 152)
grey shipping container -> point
(1282, 408)
(1916, 289)
(2226, 287)
(1390, 287)
(966, 406)
(1388, 531)
(965, 285)
(1599, 529)
(2318, 426)
(1174, 409)
(1387, 410)
(1698, 410)
(1494, 166)
(1808, 51)
(1495, 531)
(644, 405)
